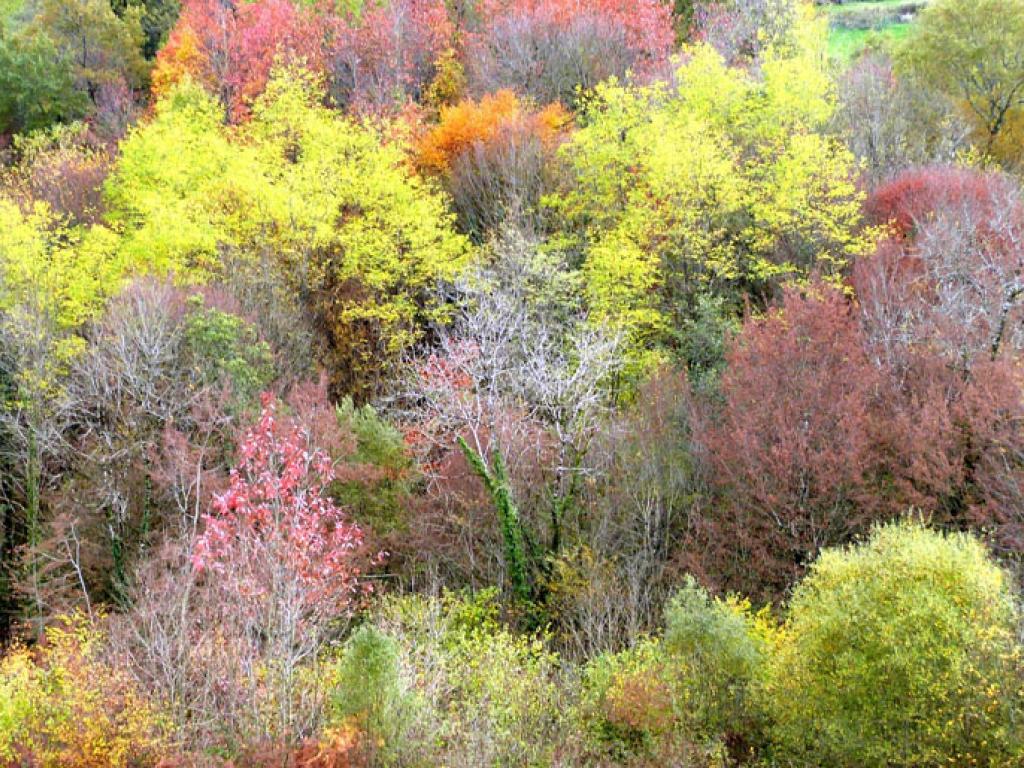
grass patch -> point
(845, 44)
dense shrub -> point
(693, 691)
(900, 651)
(465, 691)
(63, 705)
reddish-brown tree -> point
(793, 451)
(547, 49)
(388, 54)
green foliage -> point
(721, 646)
(464, 690)
(720, 183)
(694, 686)
(900, 651)
(366, 688)
(495, 479)
(36, 86)
(379, 446)
(101, 47)
(223, 348)
(703, 337)
(627, 702)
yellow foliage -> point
(723, 182)
(63, 706)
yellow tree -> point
(53, 278)
(363, 240)
(722, 182)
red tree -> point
(388, 54)
(951, 276)
(914, 196)
(274, 535)
(546, 49)
(231, 47)
(795, 449)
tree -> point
(796, 450)
(363, 242)
(286, 559)
(495, 157)
(388, 53)
(745, 30)
(36, 85)
(551, 49)
(891, 123)
(232, 49)
(953, 278)
(971, 50)
(899, 651)
(53, 279)
(101, 47)
(719, 183)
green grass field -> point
(848, 34)
(845, 44)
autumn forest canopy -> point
(500, 383)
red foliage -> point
(388, 54)
(951, 276)
(915, 195)
(647, 23)
(816, 438)
(231, 47)
(548, 48)
(795, 449)
(274, 529)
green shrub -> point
(381, 503)
(367, 692)
(628, 701)
(720, 647)
(439, 681)
(694, 686)
(899, 652)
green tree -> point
(900, 651)
(101, 47)
(36, 86)
(973, 51)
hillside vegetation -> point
(511, 383)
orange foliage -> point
(181, 56)
(469, 123)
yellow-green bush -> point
(63, 706)
(696, 685)
(461, 689)
(899, 652)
